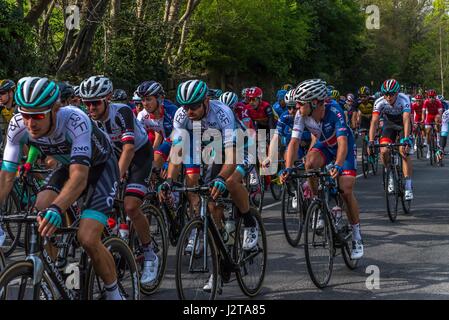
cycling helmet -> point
(335, 94)
(244, 92)
(229, 98)
(36, 92)
(214, 93)
(312, 89)
(150, 88)
(136, 97)
(418, 97)
(280, 95)
(364, 91)
(95, 87)
(290, 98)
(254, 92)
(329, 90)
(6, 85)
(377, 95)
(431, 93)
(390, 86)
(119, 95)
(66, 90)
(191, 92)
(76, 90)
(350, 97)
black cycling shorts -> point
(139, 172)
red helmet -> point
(254, 92)
(431, 93)
(418, 97)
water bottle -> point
(230, 229)
(113, 226)
(124, 231)
(307, 191)
(337, 213)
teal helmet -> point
(191, 92)
(36, 92)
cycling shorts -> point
(350, 164)
(139, 172)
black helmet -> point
(119, 95)
(66, 90)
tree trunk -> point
(79, 51)
(36, 11)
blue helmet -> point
(280, 95)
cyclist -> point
(279, 107)
(88, 166)
(136, 104)
(67, 93)
(7, 106)
(260, 111)
(158, 118)
(198, 112)
(443, 102)
(444, 133)
(417, 108)
(332, 141)
(365, 108)
(432, 109)
(351, 111)
(214, 94)
(135, 159)
(394, 108)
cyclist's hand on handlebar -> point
(49, 220)
(371, 148)
(218, 187)
(336, 171)
(284, 174)
(266, 163)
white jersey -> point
(393, 112)
(219, 117)
(445, 121)
(76, 139)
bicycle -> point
(335, 234)
(294, 206)
(368, 160)
(393, 181)
(433, 144)
(211, 256)
(157, 230)
(255, 184)
(37, 276)
(419, 143)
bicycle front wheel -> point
(391, 193)
(253, 262)
(292, 212)
(318, 245)
(126, 268)
(16, 283)
(196, 263)
(365, 159)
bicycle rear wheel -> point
(253, 263)
(195, 267)
(318, 245)
(365, 159)
(13, 230)
(16, 283)
(391, 193)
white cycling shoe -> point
(357, 250)
(408, 195)
(150, 270)
(250, 238)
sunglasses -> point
(3, 93)
(93, 103)
(193, 107)
(389, 94)
(34, 115)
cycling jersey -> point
(163, 125)
(431, 109)
(445, 123)
(417, 110)
(331, 127)
(366, 108)
(241, 111)
(285, 126)
(278, 111)
(261, 116)
(392, 113)
(7, 114)
(445, 104)
(218, 116)
(123, 128)
(75, 140)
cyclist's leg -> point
(217, 212)
(101, 190)
(161, 154)
(389, 135)
(317, 158)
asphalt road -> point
(411, 255)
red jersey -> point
(432, 108)
(417, 111)
(241, 111)
(262, 114)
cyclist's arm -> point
(7, 182)
(126, 157)
(33, 154)
(273, 144)
(373, 126)
(342, 150)
(125, 119)
(74, 186)
(407, 126)
(157, 140)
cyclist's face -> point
(96, 108)
(293, 110)
(75, 101)
(254, 102)
(197, 113)
(37, 125)
(282, 103)
(150, 103)
(5, 97)
(391, 99)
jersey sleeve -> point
(341, 129)
(79, 132)
(226, 118)
(179, 125)
(378, 106)
(16, 137)
(125, 120)
(298, 126)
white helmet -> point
(290, 98)
(229, 98)
(95, 87)
(309, 90)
